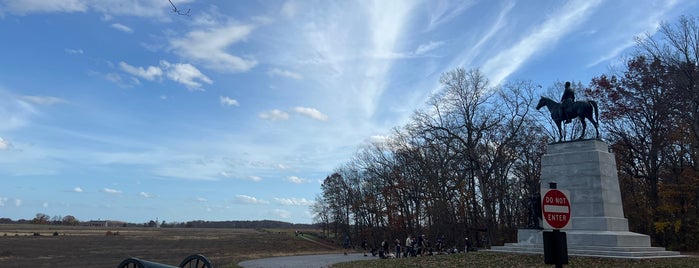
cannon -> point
(192, 261)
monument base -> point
(614, 244)
(598, 228)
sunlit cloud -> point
(227, 101)
(148, 73)
(74, 51)
(4, 144)
(311, 112)
(285, 73)
(282, 213)
(111, 191)
(274, 115)
(245, 199)
(211, 46)
(145, 195)
(78, 190)
(297, 180)
(122, 27)
(293, 201)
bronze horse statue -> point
(579, 109)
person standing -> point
(408, 246)
(566, 101)
(364, 247)
(397, 243)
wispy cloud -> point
(183, 73)
(311, 112)
(294, 201)
(149, 73)
(281, 213)
(284, 73)
(111, 191)
(4, 144)
(26, 7)
(297, 180)
(42, 100)
(186, 74)
(122, 27)
(227, 101)
(274, 115)
(545, 35)
(145, 195)
(210, 47)
(74, 51)
(78, 190)
(245, 199)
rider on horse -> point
(567, 100)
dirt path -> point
(305, 261)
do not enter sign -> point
(555, 208)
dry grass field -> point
(92, 247)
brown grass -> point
(91, 247)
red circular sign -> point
(556, 209)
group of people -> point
(411, 247)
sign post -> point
(555, 210)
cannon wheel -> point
(130, 263)
(195, 261)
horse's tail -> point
(596, 110)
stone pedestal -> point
(598, 228)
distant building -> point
(105, 223)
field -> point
(92, 247)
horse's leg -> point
(596, 124)
(560, 132)
(582, 120)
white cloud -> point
(151, 8)
(245, 199)
(42, 100)
(149, 73)
(4, 144)
(296, 180)
(78, 190)
(122, 27)
(545, 35)
(210, 48)
(111, 191)
(254, 178)
(289, 9)
(4, 200)
(311, 112)
(201, 199)
(186, 74)
(424, 48)
(74, 51)
(41, 6)
(274, 115)
(284, 73)
(146, 195)
(228, 101)
(294, 201)
(282, 213)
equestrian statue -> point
(569, 109)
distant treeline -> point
(245, 224)
(72, 221)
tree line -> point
(469, 164)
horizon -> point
(237, 111)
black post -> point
(555, 244)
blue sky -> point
(123, 110)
